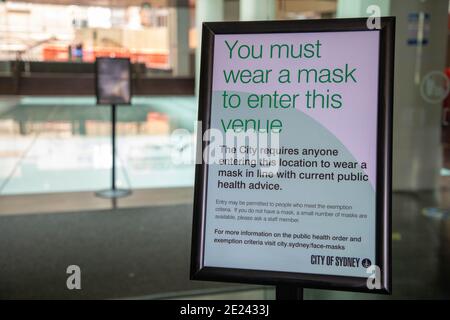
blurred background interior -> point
(55, 148)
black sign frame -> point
(384, 158)
(99, 99)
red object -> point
(156, 116)
(159, 60)
(446, 103)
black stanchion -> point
(287, 292)
(113, 192)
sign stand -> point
(113, 192)
(239, 245)
(113, 87)
(288, 292)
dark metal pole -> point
(113, 127)
(113, 193)
(287, 292)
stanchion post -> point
(288, 292)
(109, 72)
(113, 141)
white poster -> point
(303, 198)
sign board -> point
(308, 202)
(113, 80)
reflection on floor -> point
(63, 144)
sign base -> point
(113, 193)
(285, 292)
